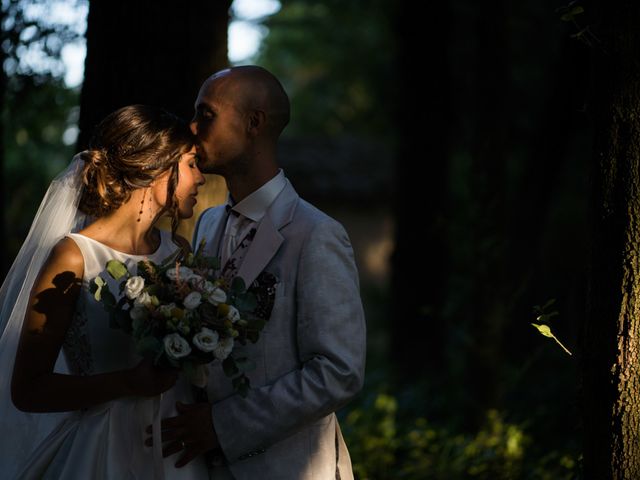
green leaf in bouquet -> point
(108, 299)
(241, 385)
(257, 324)
(96, 287)
(238, 285)
(149, 346)
(117, 269)
(246, 302)
(140, 327)
(147, 269)
(245, 364)
(212, 262)
(200, 247)
(229, 366)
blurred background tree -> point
(453, 145)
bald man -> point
(310, 357)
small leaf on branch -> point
(546, 331)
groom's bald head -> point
(251, 88)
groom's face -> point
(220, 127)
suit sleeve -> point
(331, 337)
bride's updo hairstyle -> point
(129, 149)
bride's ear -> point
(256, 122)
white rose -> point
(138, 313)
(144, 299)
(175, 346)
(234, 314)
(192, 300)
(134, 287)
(217, 296)
(223, 349)
(195, 279)
(166, 310)
(185, 273)
(206, 340)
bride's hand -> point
(147, 380)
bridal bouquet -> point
(183, 315)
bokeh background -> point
(452, 141)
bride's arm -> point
(34, 386)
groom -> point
(310, 356)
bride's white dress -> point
(107, 441)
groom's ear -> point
(256, 122)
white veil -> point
(58, 215)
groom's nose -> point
(194, 126)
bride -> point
(79, 398)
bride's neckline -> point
(157, 250)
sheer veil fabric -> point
(57, 216)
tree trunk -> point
(417, 327)
(153, 55)
(611, 361)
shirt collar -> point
(254, 206)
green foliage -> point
(334, 59)
(117, 269)
(38, 109)
(544, 316)
(384, 447)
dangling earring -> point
(142, 205)
(150, 207)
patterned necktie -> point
(233, 250)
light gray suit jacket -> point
(310, 356)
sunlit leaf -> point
(543, 329)
(117, 269)
(546, 331)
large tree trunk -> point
(611, 357)
(137, 53)
(416, 322)
(154, 55)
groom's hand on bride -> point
(190, 432)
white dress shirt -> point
(248, 213)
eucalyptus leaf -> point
(96, 288)
(246, 302)
(117, 269)
(229, 366)
(238, 285)
(245, 364)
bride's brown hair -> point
(129, 149)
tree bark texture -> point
(155, 53)
(611, 357)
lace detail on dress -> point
(76, 346)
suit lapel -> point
(264, 246)
(268, 238)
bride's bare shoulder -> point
(67, 254)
